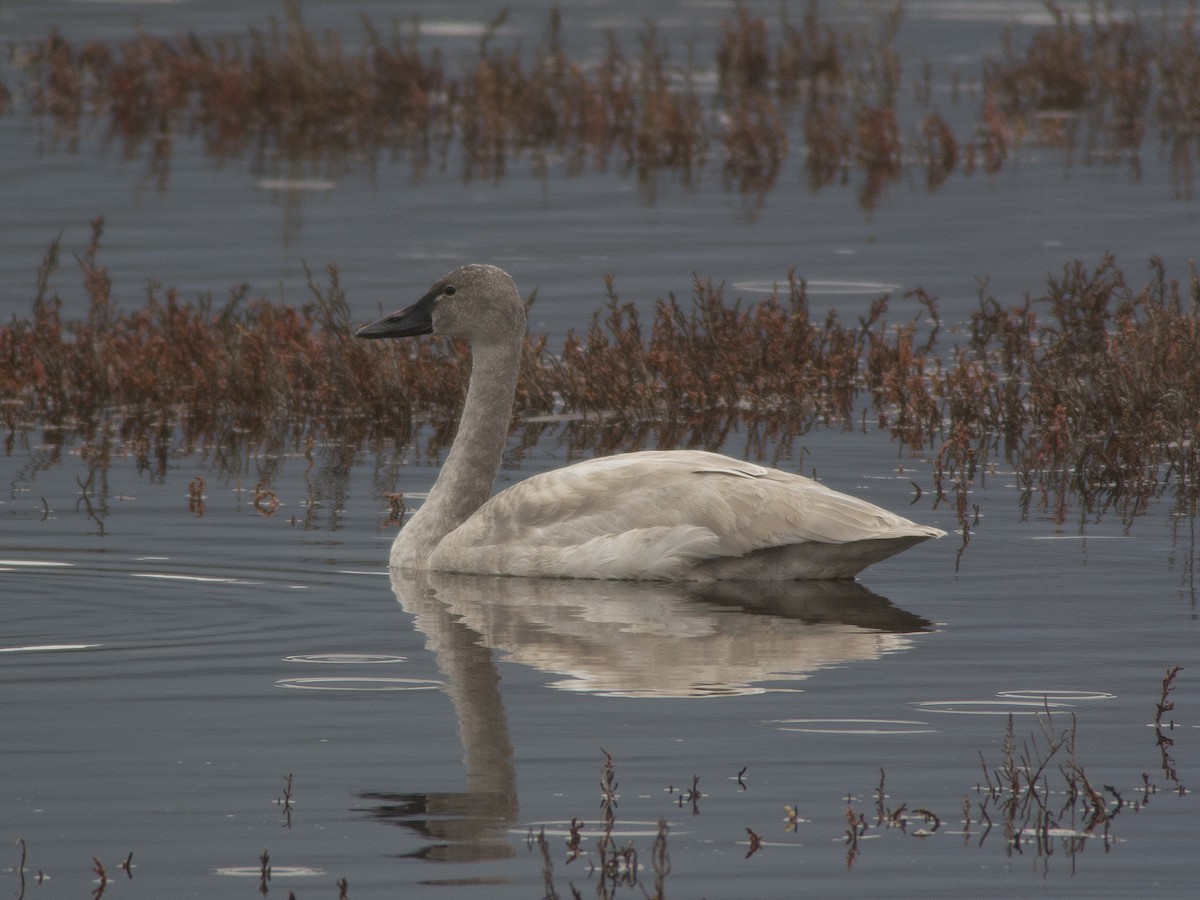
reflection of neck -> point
(466, 478)
(474, 688)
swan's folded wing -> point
(655, 514)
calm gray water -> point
(162, 674)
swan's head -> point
(476, 302)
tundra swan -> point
(653, 515)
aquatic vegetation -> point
(1165, 743)
(615, 868)
(1090, 391)
(1071, 78)
(294, 99)
(285, 801)
(1019, 790)
(1038, 798)
(264, 876)
(1040, 795)
(1103, 392)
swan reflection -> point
(632, 639)
(617, 639)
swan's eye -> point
(448, 290)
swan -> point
(676, 515)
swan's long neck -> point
(465, 481)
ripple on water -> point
(1056, 694)
(990, 707)
(352, 659)
(351, 683)
(562, 828)
(47, 648)
(276, 871)
(198, 579)
(851, 726)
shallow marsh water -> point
(163, 673)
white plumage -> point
(662, 515)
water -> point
(163, 673)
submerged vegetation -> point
(1089, 392)
(835, 94)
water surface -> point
(162, 673)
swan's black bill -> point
(408, 322)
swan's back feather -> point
(674, 514)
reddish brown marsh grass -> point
(245, 367)
(1070, 77)
(1177, 105)
(1090, 391)
(293, 98)
(689, 373)
(1113, 384)
(291, 95)
(1101, 85)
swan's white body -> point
(675, 514)
(662, 515)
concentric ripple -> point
(1057, 694)
(47, 648)
(851, 726)
(562, 828)
(351, 683)
(989, 707)
(352, 659)
(276, 871)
